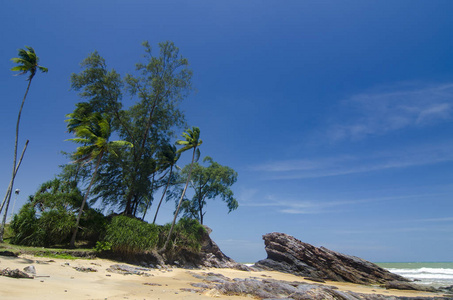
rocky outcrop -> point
(212, 256)
(270, 289)
(287, 254)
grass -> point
(49, 252)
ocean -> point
(433, 274)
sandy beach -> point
(60, 279)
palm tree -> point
(192, 141)
(27, 63)
(167, 159)
(93, 133)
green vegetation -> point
(192, 141)
(128, 235)
(48, 218)
(124, 176)
(93, 132)
(209, 182)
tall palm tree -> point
(27, 63)
(167, 159)
(191, 141)
(93, 133)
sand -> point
(57, 279)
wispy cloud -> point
(344, 165)
(319, 206)
(398, 107)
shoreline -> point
(58, 279)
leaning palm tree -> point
(168, 158)
(93, 133)
(27, 63)
(192, 141)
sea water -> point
(433, 274)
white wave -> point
(429, 276)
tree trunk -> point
(179, 204)
(8, 193)
(163, 195)
(72, 243)
(11, 185)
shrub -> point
(187, 235)
(26, 228)
(52, 228)
(57, 225)
(129, 236)
(93, 226)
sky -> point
(337, 116)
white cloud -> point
(344, 165)
(379, 112)
(319, 206)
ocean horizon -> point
(436, 274)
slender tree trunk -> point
(9, 191)
(72, 243)
(201, 211)
(149, 200)
(163, 195)
(179, 204)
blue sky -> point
(336, 115)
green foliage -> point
(57, 224)
(103, 246)
(129, 236)
(93, 132)
(26, 228)
(93, 225)
(53, 227)
(54, 254)
(49, 217)
(187, 235)
(208, 182)
(125, 180)
(27, 62)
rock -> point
(287, 254)
(128, 270)
(8, 253)
(85, 270)
(30, 269)
(270, 289)
(15, 273)
(398, 285)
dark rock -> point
(127, 270)
(287, 254)
(212, 257)
(270, 289)
(85, 270)
(15, 273)
(8, 253)
(315, 279)
(398, 285)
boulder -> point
(287, 254)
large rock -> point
(210, 256)
(287, 254)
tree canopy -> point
(209, 183)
